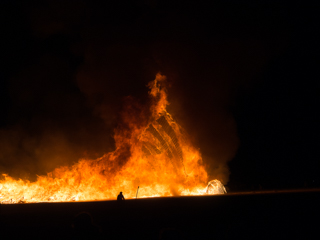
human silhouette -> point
(120, 197)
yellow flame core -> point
(156, 156)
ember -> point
(155, 155)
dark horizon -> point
(244, 83)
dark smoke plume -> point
(80, 60)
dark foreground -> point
(286, 215)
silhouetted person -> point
(120, 197)
(83, 227)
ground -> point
(264, 215)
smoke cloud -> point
(64, 99)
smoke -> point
(48, 124)
(65, 98)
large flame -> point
(153, 155)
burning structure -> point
(152, 152)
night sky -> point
(244, 83)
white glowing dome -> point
(215, 187)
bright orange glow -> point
(151, 152)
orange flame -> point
(152, 153)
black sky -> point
(244, 82)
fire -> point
(153, 155)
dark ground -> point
(281, 215)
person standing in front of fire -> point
(120, 197)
